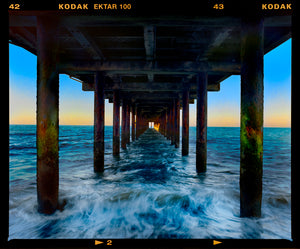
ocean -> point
(150, 190)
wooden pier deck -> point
(152, 67)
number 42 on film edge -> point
(14, 6)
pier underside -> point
(151, 67)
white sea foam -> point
(150, 191)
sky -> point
(76, 107)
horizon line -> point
(213, 126)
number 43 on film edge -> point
(218, 6)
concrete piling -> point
(124, 125)
(127, 128)
(185, 122)
(99, 118)
(252, 89)
(201, 140)
(133, 125)
(47, 116)
(176, 122)
(116, 123)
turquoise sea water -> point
(150, 190)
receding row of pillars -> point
(251, 119)
(168, 123)
(138, 123)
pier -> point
(151, 67)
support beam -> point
(47, 118)
(86, 42)
(99, 123)
(116, 123)
(219, 37)
(201, 140)
(252, 88)
(185, 122)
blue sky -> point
(76, 106)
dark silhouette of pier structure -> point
(151, 67)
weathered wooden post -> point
(138, 123)
(168, 123)
(172, 122)
(176, 122)
(252, 95)
(164, 120)
(124, 119)
(201, 140)
(116, 123)
(127, 123)
(133, 125)
(185, 122)
(47, 118)
(99, 123)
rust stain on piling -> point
(251, 134)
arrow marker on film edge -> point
(97, 242)
(215, 242)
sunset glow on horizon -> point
(76, 107)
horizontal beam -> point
(142, 97)
(143, 67)
(17, 19)
(28, 19)
(148, 86)
(157, 102)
